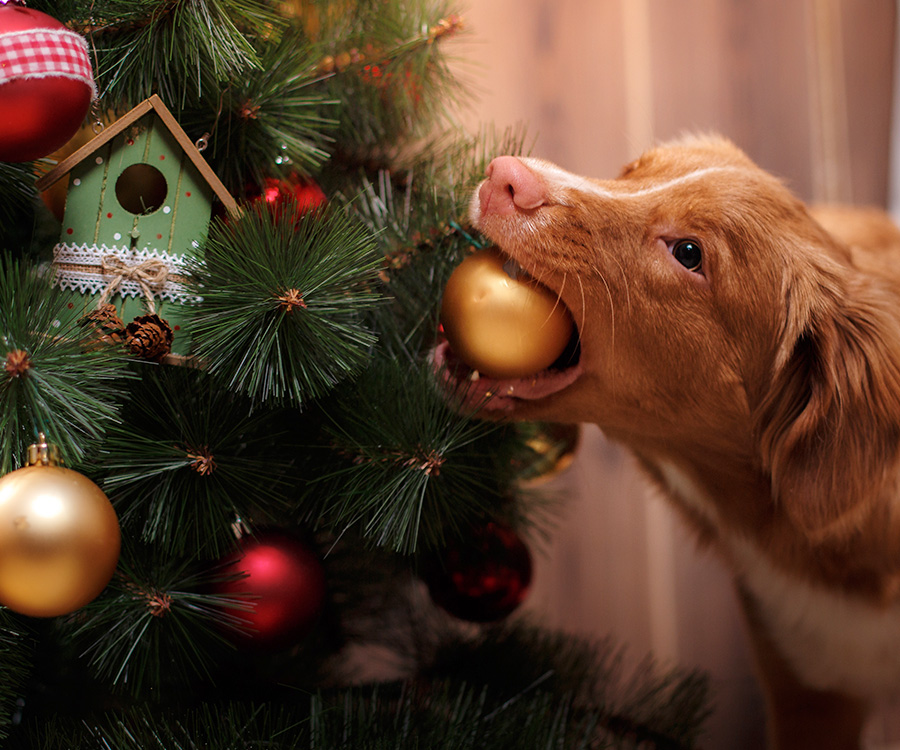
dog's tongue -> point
(500, 391)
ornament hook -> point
(239, 528)
(43, 453)
(96, 122)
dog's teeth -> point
(474, 375)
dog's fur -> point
(761, 391)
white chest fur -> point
(830, 639)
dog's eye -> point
(688, 253)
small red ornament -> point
(481, 579)
(46, 83)
(303, 194)
(285, 584)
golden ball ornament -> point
(59, 537)
(502, 326)
(553, 447)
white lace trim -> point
(80, 268)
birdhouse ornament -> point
(139, 203)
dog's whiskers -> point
(558, 298)
(625, 280)
(612, 311)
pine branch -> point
(412, 225)
(510, 686)
(644, 708)
(381, 718)
(155, 606)
(189, 458)
(386, 66)
(50, 379)
(444, 713)
(411, 468)
(273, 121)
(283, 302)
(181, 49)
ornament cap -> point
(20, 3)
(240, 528)
(43, 453)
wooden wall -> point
(805, 87)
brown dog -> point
(747, 350)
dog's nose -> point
(511, 186)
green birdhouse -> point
(139, 202)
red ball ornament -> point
(284, 582)
(483, 578)
(301, 194)
(46, 83)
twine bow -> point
(148, 274)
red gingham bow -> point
(38, 53)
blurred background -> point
(805, 87)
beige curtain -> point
(805, 88)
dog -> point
(746, 349)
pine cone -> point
(104, 324)
(149, 337)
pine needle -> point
(418, 214)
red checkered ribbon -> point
(39, 53)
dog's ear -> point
(829, 424)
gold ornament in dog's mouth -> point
(500, 321)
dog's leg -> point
(799, 717)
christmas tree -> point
(295, 494)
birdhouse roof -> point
(155, 104)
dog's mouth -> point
(477, 390)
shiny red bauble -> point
(284, 583)
(300, 194)
(46, 83)
(482, 578)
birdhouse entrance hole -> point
(141, 189)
